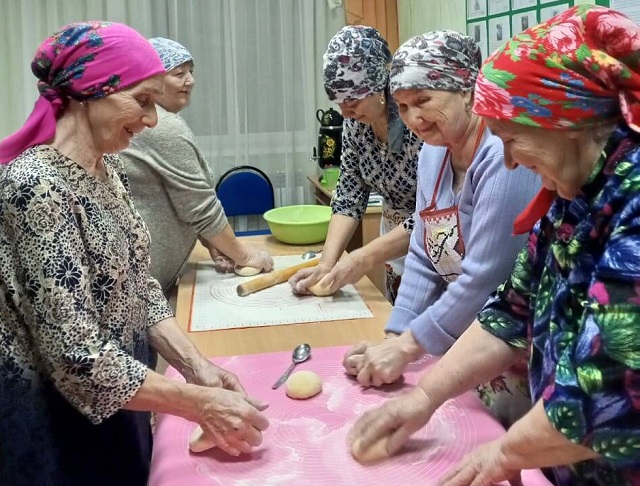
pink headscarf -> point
(82, 61)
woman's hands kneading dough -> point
(382, 432)
(229, 420)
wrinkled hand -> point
(221, 262)
(353, 360)
(307, 277)
(232, 421)
(208, 374)
(376, 365)
(485, 466)
(396, 419)
(257, 259)
(349, 270)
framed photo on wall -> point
(522, 21)
(476, 9)
(478, 32)
(499, 31)
(498, 6)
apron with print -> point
(443, 241)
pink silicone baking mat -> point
(306, 440)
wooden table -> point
(231, 342)
(368, 229)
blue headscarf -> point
(356, 64)
(172, 54)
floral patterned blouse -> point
(573, 300)
(390, 169)
(75, 301)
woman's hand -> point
(232, 421)
(208, 374)
(383, 363)
(354, 358)
(349, 270)
(485, 466)
(221, 263)
(256, 259)
(307, 277)
(396, 420)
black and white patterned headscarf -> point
(172, 53)
(441, 60)
(356, 64)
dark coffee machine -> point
(329, 138)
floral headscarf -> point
(172, 54)
(578, 69)
(355, 64)
(82, 61)
(441, 60)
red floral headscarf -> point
(575, 70)
(578, 69)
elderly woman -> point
(461, 247)
(78, 308)
(564, 98)
(378, 153)
(173, 186)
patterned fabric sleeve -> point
(594, 399)
(352, 192)
(506, 313)
(62, 315)
(409, 224)
(159, 308)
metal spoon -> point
(300, 354)
(308, 255)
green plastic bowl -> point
(299, 225)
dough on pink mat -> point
(304, 384)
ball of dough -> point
(374, 453)
(246, 271)
(199, 442)
(321, 290)
(303, 384)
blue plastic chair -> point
(246, 191)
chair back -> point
(245, 191)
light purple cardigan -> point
(490, 199)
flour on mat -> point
(336, 395)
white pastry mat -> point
(216, 304)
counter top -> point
(231, 342)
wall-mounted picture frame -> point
(478, 32)
(498, 6)
(499, 31)
(523, 20)
(476, 9)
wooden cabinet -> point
(367, 230)
(381, 14)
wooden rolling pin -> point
(273, 278)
